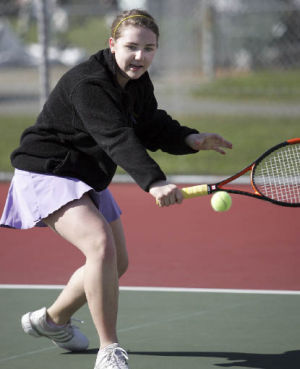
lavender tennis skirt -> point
(32, 197)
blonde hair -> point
(134, 17)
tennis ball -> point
(221, 201)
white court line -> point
(32, 286)
(210, 290)
(27, 354)
(187, 179)
(158, 289)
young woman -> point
(101, 114)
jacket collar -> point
(110, 61)
(107, 60)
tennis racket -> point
(275, 177)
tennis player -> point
(102, 113)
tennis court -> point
(203, 290)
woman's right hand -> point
(166, 193)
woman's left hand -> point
(208, 141)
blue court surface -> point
(168, 329)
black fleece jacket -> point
(89, 125)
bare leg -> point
(80, 223)
(73, 296)
(70, 300)
(120, 242)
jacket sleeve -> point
(158, 130)
(105, 120)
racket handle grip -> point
(195, 191)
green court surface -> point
(167, 330)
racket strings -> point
(277, 176)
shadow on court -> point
(286, 360)
(91, 351)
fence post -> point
(43, 37)
(208, 52)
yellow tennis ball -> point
(221, 201)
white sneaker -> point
(112, 357)
(67, 337)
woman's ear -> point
(112, 44)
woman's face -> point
(134, 51)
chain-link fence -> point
(201, 42)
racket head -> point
(284, 158)
(275, 175)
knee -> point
(101, 249)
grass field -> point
(250, 137)
(265, 85)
